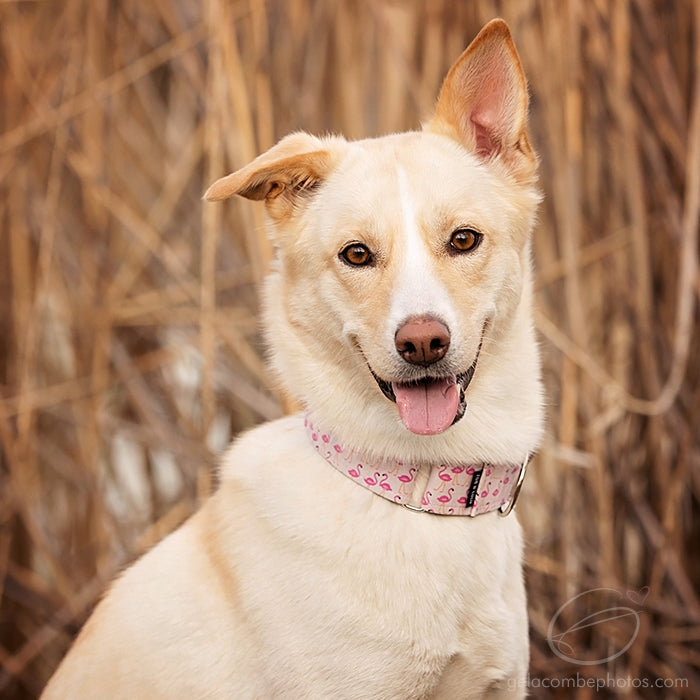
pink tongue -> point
(427, 408)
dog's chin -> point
(429, 405)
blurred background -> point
(130, 350)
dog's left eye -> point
(464, 240)
(356, 254)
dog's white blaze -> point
(418, 290)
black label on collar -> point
(473, 488)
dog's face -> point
(402, 261)
(410, 252)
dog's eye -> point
(464, 240)
(356, 254)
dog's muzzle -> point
(430, 404)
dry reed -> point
(130, 350)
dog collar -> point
(465, 489)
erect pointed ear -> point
(280, 176)
(483, 102)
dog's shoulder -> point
(274, 471)
(266, 453)
(272, 440)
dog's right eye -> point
(356, 254)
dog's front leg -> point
(461, 681)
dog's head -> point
(401, 287)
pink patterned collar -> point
(468, 489)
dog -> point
(363, 547)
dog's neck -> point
(463, 489)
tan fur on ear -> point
(483, 102)
(293, 166)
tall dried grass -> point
(130, 351)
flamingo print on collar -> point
(468, 489)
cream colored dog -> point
(355, 551)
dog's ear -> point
(483, 102)
(280, 176)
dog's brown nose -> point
(422, 341)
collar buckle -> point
(415, 509)
(504, 510)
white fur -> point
(418, 290)
(292, 581)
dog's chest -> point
(399, 613)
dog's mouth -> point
(430, 405)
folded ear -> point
(483, 102)
(280, 176)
